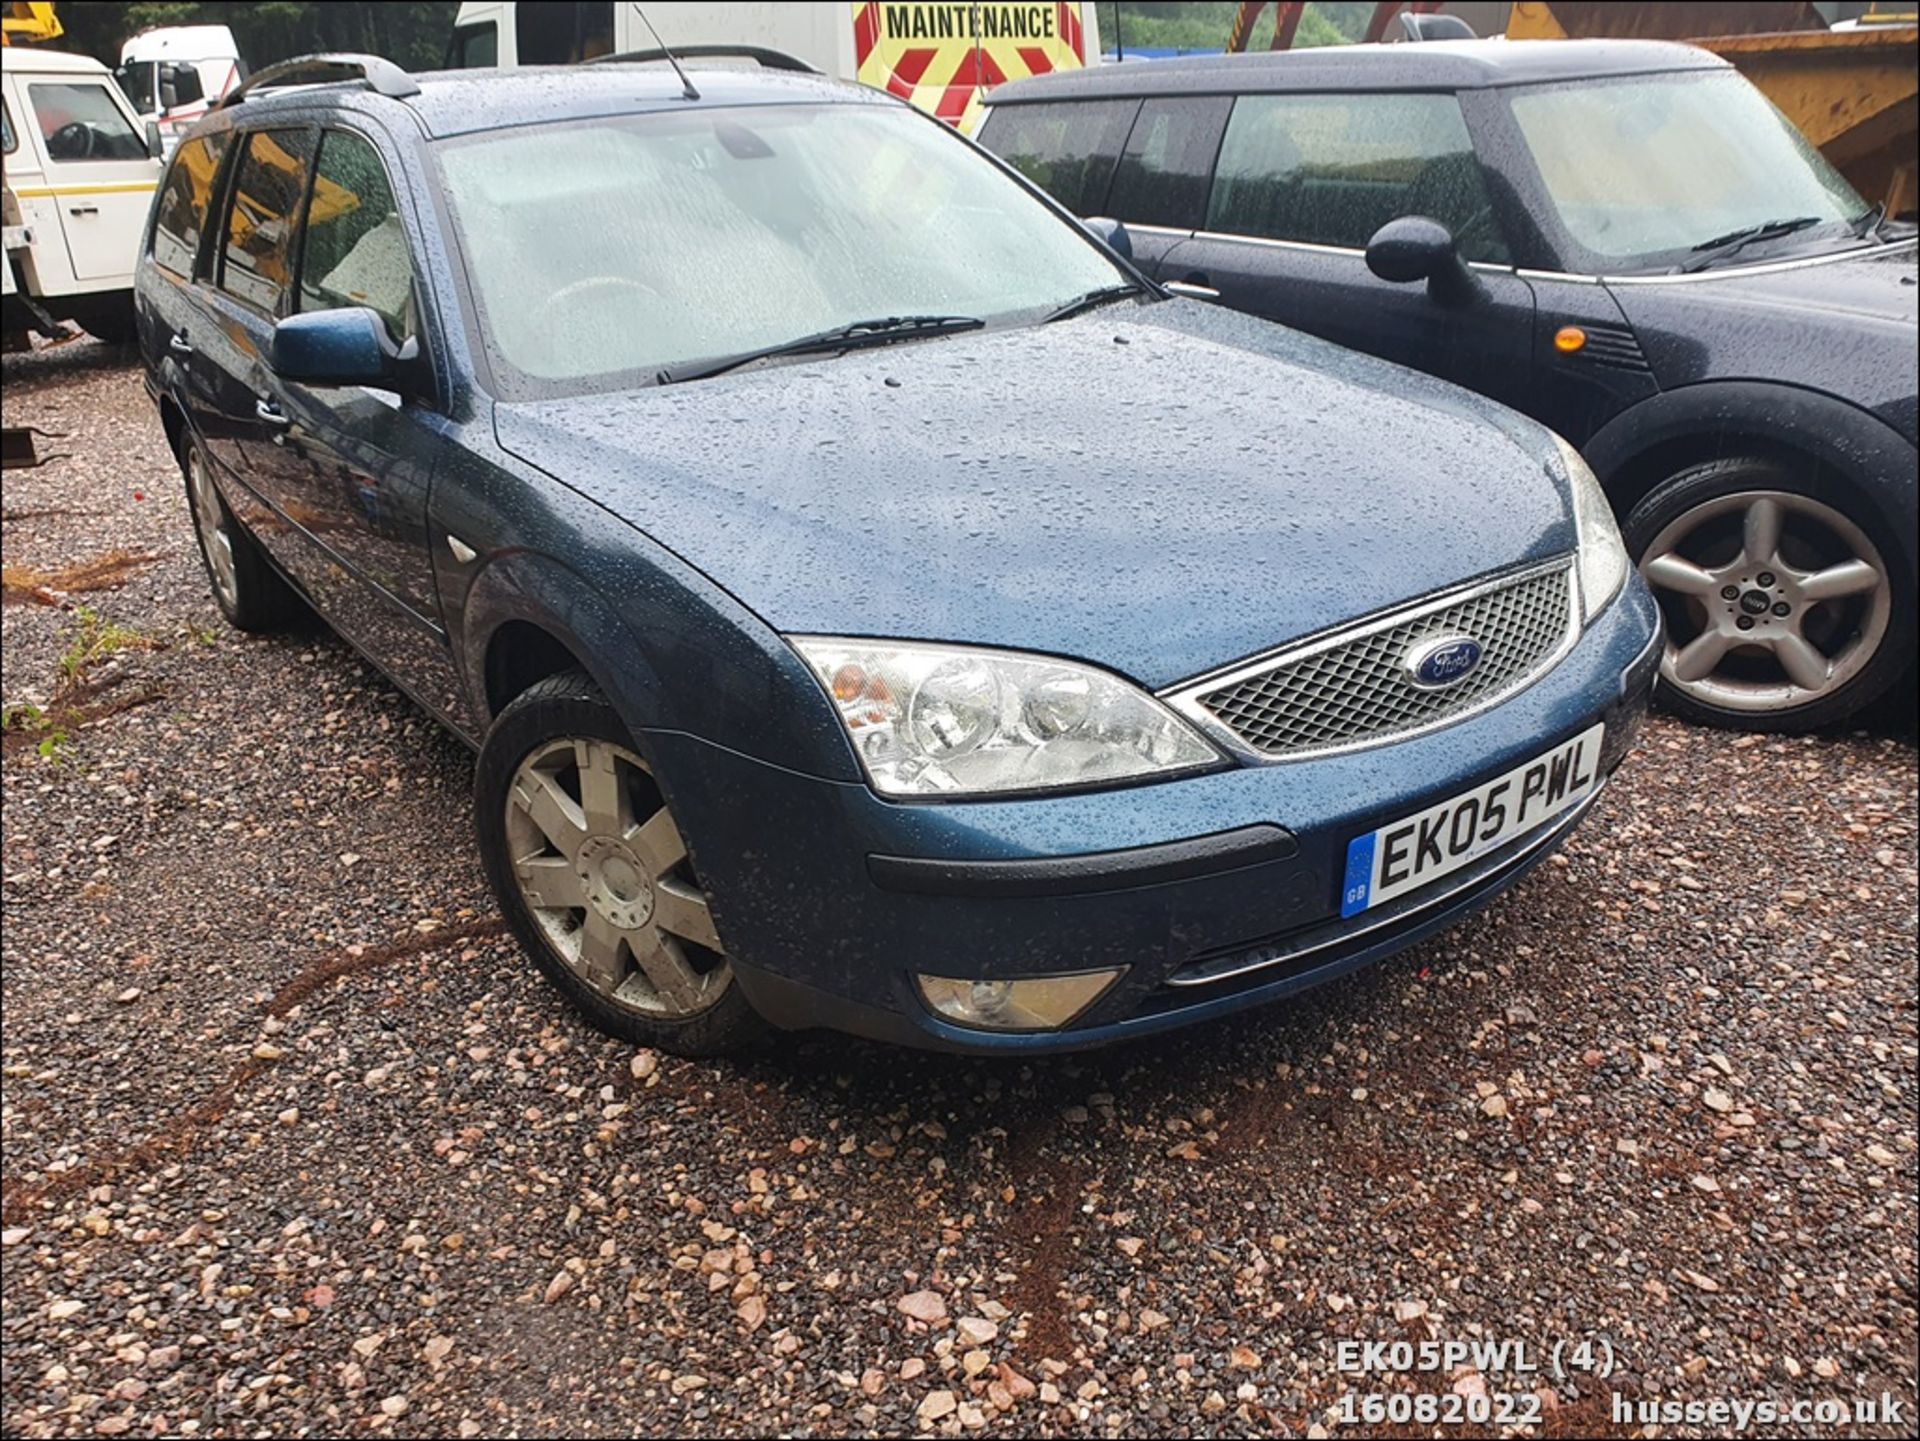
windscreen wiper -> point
(884, 331)
(1080, 304)
(1721, 246)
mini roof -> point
(1427, 65)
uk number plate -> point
(1405, 855)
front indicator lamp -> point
(1030, 1003)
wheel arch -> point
(173, 420)
(1852, 448)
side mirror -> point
(156, 145)
(335, 347)
(1112, 234)
(1416, 248)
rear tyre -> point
(1783, 610)
(111, 325)
(251, 594)
(590, 871)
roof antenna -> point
(687, 89)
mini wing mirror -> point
(1417, 248)
(336, 347)
(1112, 234)
(156, 146)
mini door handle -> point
(1191, 290)
(179, 344)
(83, 210)
(271, 413)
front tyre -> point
(1782, 611)
(591, 873)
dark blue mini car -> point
(874, 603)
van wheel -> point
(251, 594)
(112, 325)
(1782, 612)
(590, 871)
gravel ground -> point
(296, 1143)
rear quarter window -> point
(180, 214)
(1068, 150)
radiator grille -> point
(1359, 689)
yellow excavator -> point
(31, 24)
(1852, 87)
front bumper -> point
(1217, 892)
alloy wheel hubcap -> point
(211, 522)
(602, 869)
(1772, 599)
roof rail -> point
(382, 77)
(768, 59)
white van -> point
(174, 74)
(941, 57)
(80, 169)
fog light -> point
(1032, 1003)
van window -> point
(474, 47)
(1332, 169)
(8, 142)
(180, 214)
(79, 121)
(256, 258)
(1163, 176)
(355, 252)
(1068, 150)
(561, 34)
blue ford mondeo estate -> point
(874, 604)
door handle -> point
(179, 344)
(1192, 289)
(271, 413)
(83, 210)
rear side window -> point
(81, 122)
(563, 33)
(475, 47)
(256, 256)
(1069, 151)
(355, 251)
(1164, 174)
(180, 214)
(1332, 169)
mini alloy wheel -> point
(1775, 602)
(216, 535)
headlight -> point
(935, 720)
(1603, 558)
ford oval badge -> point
(1443, 660)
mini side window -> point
(1332, 169)
(355, 251)
(180, 214)
(8, 141)
(1068, 150)
(257, 246)
(1163, 176)
(80, 122)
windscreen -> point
(605, 251)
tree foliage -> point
(413, 35)
(1182, 25)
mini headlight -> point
(1603, 557)
(931, 720)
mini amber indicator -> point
(1569, 338)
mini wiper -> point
(1721, 246)
(1869, 223)
(884, 331)
(1080, 304)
